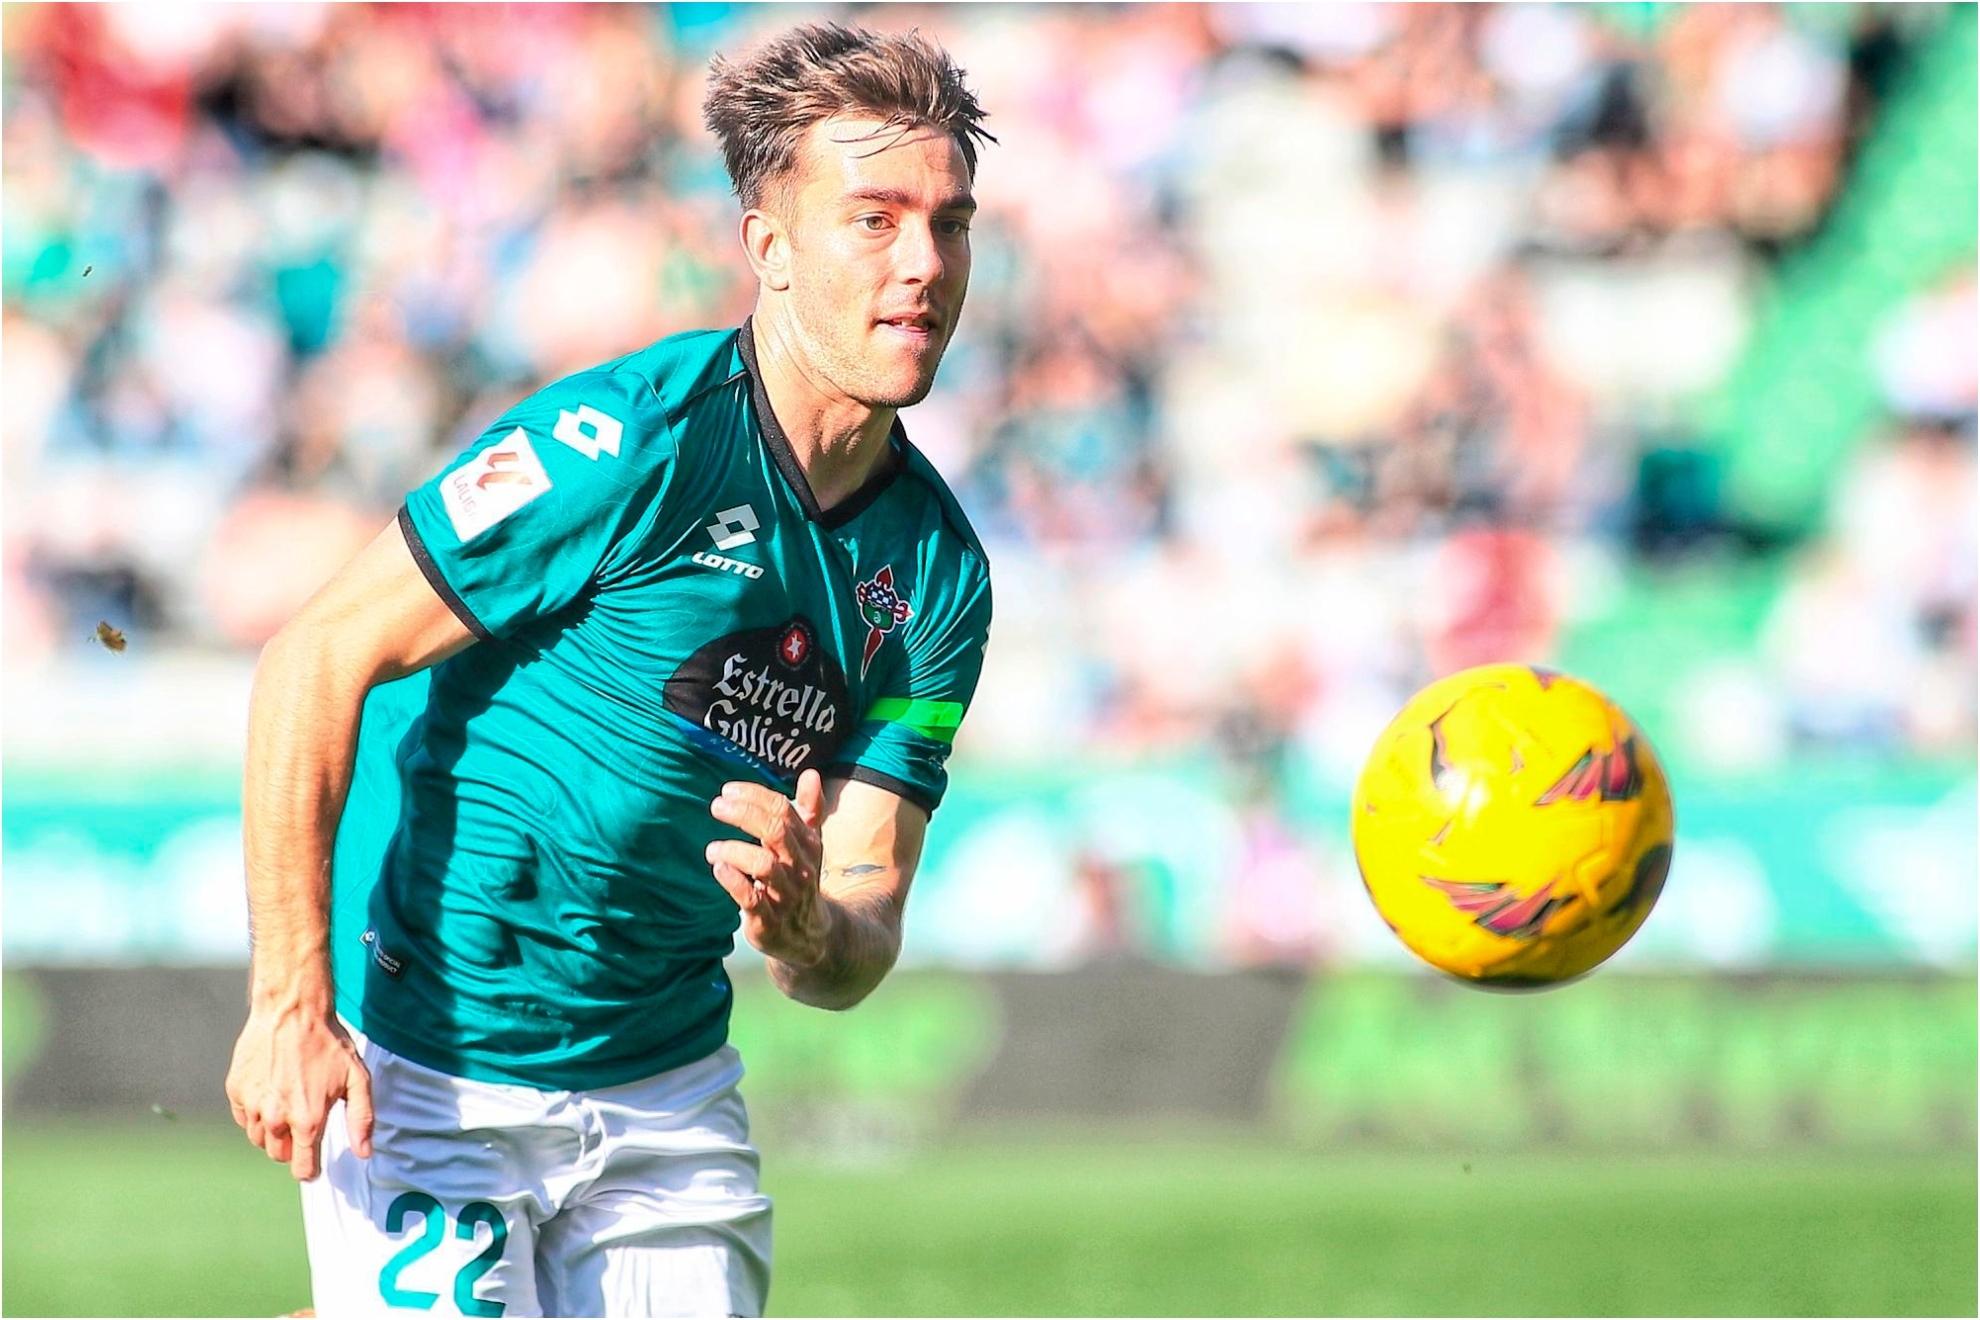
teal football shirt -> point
(520, 892)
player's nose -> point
(918, 256)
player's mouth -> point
(918, 328)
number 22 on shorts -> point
(433, 1230)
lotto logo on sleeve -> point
(492, 485)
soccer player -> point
(678, 646)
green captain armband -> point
(934, 720)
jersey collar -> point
(786, 458)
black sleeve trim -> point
(912, 792)
(436, 579)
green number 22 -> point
(432, 1231)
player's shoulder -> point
(633, 406)
(681, 369)
(919, 480)
(656, 383)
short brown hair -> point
(760, 107)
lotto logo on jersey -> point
(492, 485)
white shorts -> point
(483, 1199)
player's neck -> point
(839, 442)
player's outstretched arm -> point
(377, 620)
(823, 889)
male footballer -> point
(678, 645)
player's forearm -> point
(861, 942)
(302, 734)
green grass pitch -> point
(183, 1219)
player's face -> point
(879, 230)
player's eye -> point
(952, 227)
(872, 224)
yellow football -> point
(1513, 826)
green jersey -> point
(520, 892)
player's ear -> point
(767, 244)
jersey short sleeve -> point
(902, 744)
(535, 510)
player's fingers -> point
(357, 1108)
(257, 1131)
(811, 798)
(743, 815)
(757, 810)
(277, 1142)
(754, 893)
(787, 841)
(737, 885)
(305, 1158)
(752, 860)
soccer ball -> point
(1513, 826)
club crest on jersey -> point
(883, 609)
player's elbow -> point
(305, 660)
(297, 647)
(287, 656)
(834, 994)
(833, 999)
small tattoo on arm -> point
(862, 868)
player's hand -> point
(775, 880)
(289, 1068)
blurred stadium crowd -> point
(1310, 350)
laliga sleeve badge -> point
(882, 608)
(492, 485)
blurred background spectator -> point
(1311, 352)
